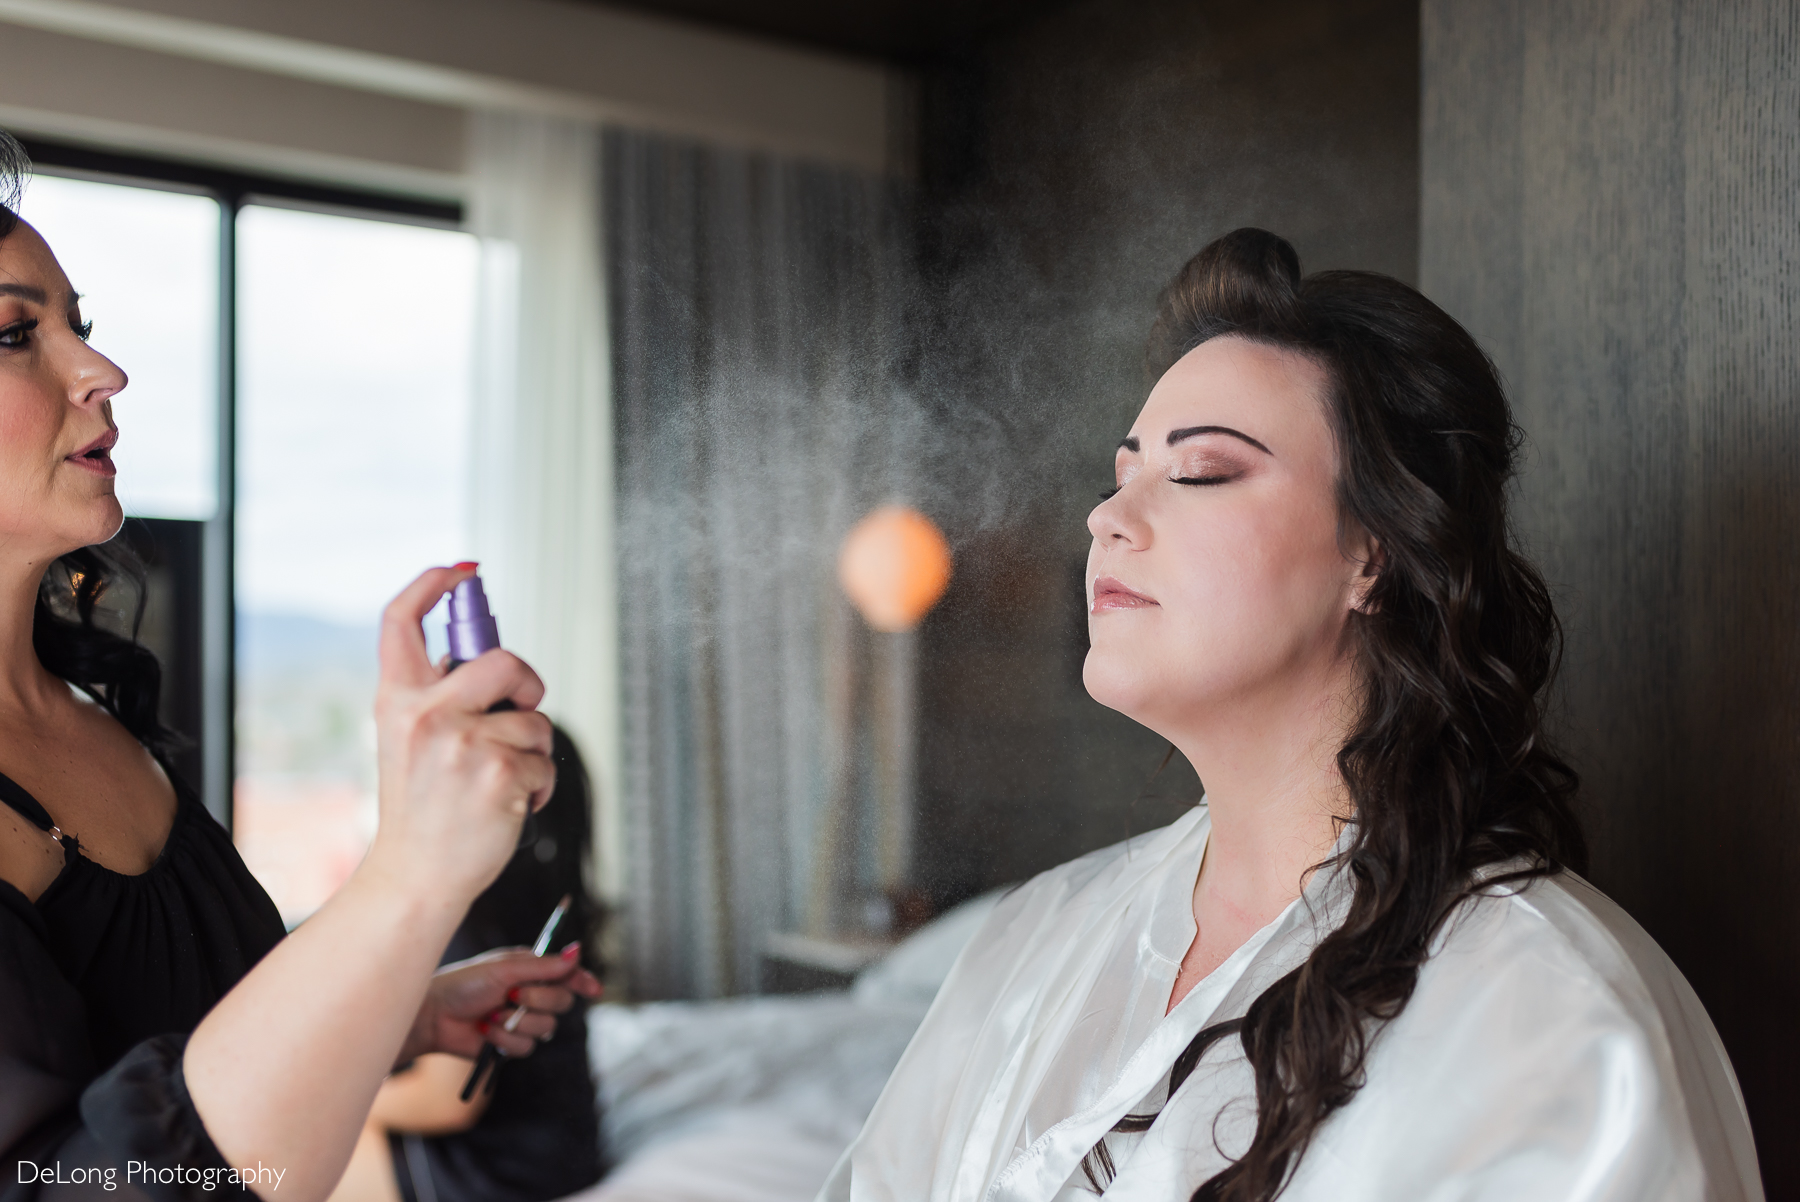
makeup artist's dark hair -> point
(112, 667)
(553, 862)
(1447, 764)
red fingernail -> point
(482, 1027)
(572, 951)
(467, 565)
(512, 995)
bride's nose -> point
(1118, 520)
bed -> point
(754, 1099)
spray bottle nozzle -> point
(472, 627)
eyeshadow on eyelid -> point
(1206, 464)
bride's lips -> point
(1111, 594)
(96, 456)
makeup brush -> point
(490, 1055)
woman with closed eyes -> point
(159, 1034)
(1364, 968)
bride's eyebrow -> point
(1188, 432)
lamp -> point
(894, 565)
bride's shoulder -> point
(1550, 995)
(1557, 925)
(1548, 1041)
(1559, 949)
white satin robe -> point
(1550, 1051)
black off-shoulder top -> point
(101, 982)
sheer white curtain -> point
(543, 447)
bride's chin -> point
(1113, 681)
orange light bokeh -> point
(894, 565)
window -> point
(352, 436)
(287, 499)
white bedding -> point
(752, 1100)
(742, 1101)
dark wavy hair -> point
(1454, 783)
(551, 861)
(111, 666)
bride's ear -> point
(1370, 559)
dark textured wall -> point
(1611, 203)
(1069, 169)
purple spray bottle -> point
(472, 627)
(473, 630)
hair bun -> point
(1252, 254)
(1245, 282)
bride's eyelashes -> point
(1110, 493)
(1179, 479)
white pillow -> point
(912, 973)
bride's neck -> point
(1274, 795)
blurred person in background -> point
(536, 1135)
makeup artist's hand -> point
(455, 780)
(285, 1067)
(469, 1002)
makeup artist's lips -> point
(96, 456)
(1111, 594)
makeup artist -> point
(159, 1036)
